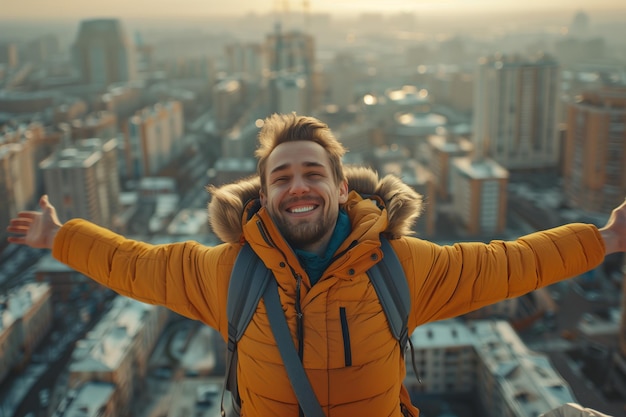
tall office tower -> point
(343, 76)
(104, 53)
(594, 158)
(515, 109)
(291, 53)
(82, 181)
(580, 24)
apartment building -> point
(25, 319)
(479, 189)
(594, 155)
(82, 181)
(515, 111)
(117, 350)
(487, 360)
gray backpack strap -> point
(247, 284)
(297, 375)
(389, 281)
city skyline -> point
(37, 9)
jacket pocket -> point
(345, 330)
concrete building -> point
(291, 92)
(488, 361)
(82, 181)
(9, 54)
(116, 351)
(25, 318)
(102, 124)
(247, 59)
(228, 98)
(91, 399)
(153, 138)
(343, 76)
(291, 52)
(103, 52)
(515, 111)
(479, 188)
(443, 149)
(594, 155)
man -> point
(319, 237)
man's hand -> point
(614, 232)
(35, 229)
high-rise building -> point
(594, 157)
(82, 181)
(103, 52)
(343, 76)
(291, 93)
(291, 53)
(515, 111)
(153, 139)
(9, 54)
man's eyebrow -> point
(307, 164)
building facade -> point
(515, 111)
(103, 52)
(594, 158)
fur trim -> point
(404, 204)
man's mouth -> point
(301, 209)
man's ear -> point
(263, 198)
(343, 192)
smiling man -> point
(317, 227)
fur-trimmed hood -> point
(404, 205)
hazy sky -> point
(190, 8)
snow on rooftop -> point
(525, 378)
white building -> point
(488, 359)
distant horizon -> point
(33, 10)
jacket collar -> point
(235, 206)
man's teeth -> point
(302, 209)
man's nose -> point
(299, 185)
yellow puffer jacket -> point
(351, 358)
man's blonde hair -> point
(281, 128)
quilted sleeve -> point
(186, 277)
(448, 281)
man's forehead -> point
(304, 153)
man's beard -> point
(300, 235)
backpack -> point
(249, 280)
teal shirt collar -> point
(315, 265)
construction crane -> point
(282, 9)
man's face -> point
(302, 195)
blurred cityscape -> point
(506, 125)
